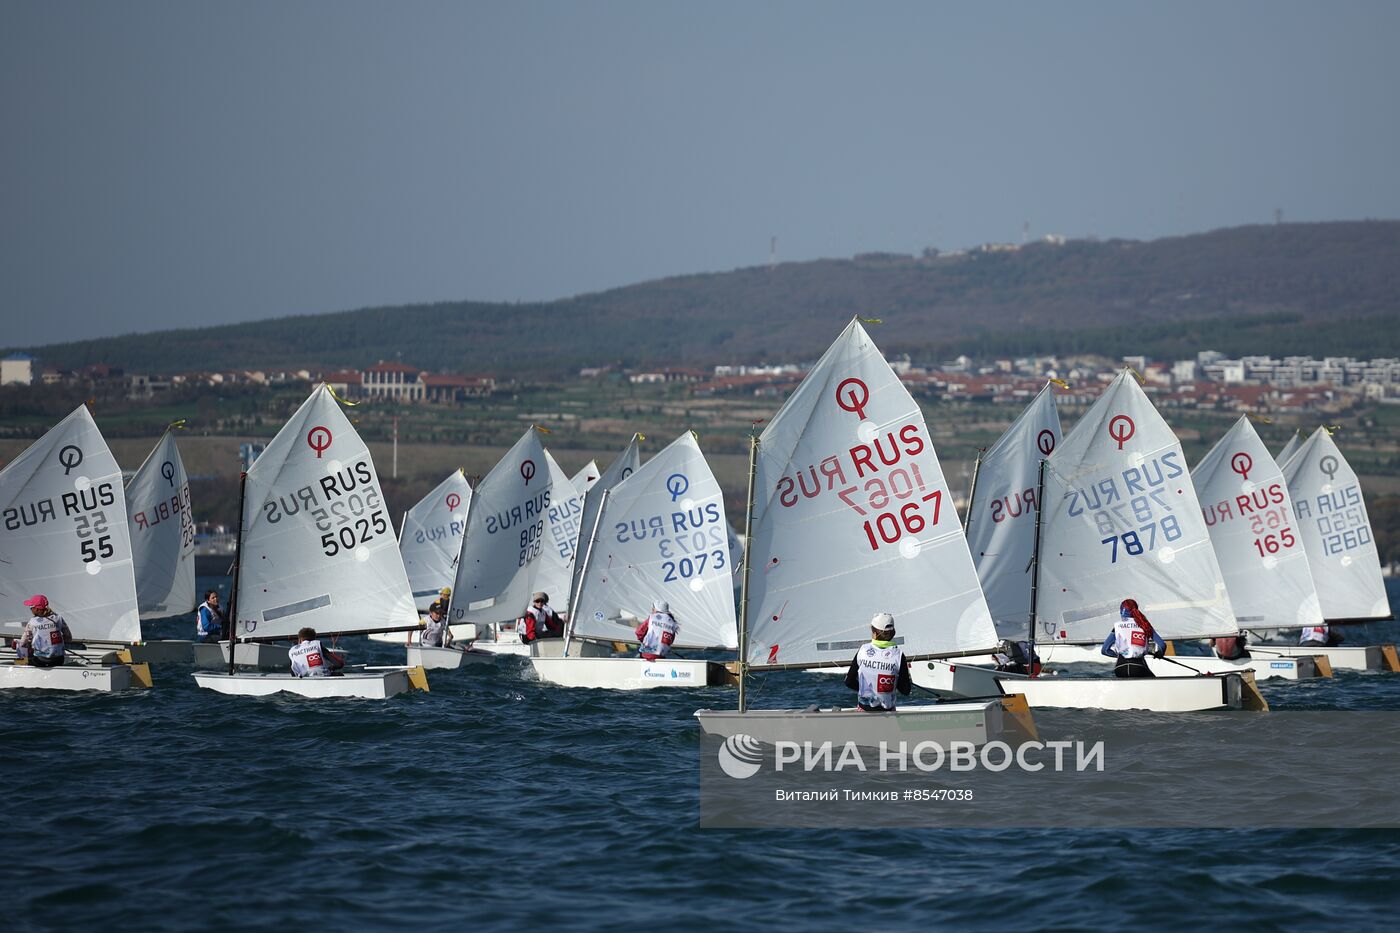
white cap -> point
(663, 606)
(882, 622)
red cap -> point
(37, 601)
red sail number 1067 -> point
(889, 527)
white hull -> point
(1264, 668)
(94, 654)
(250, 654)
(979, 722)
(1343, 658)
(163, 651)
(460, 633)
(370, 684)
(950, 680)
(445, 659)
(502, 649)
(71, 676)
(629, 673)
(1159, 694)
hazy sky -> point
(181, 163)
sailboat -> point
(1000, 529)
(65, 536)
(584, 479)
(658, 535)
(161, 525)
(502, 549)
(562, 527)
(1290, 448)
(849, 514)
(1246, 506)
(1331, 520)
(316, 549)
(1120, 519)
(627, 463)
(431, 538)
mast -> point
(972, 490)
(1035, 558)
(748, 560)
(237, 572)
(583, 570)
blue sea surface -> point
(496, 802)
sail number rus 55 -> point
(87, 508)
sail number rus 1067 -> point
(879, 481)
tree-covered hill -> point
(1319, 289)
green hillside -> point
(1328, 288)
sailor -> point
(1128, 640)
(879, 668)
(436, 634)
(309, 659)
(1016, 657)
(1319, 636)
(210, 619)
(46, 635)
(540, 621)
(657, 633)
(1232, 648)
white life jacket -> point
(47, 638)
(879, 674)
(433, 632)
(308, 660)
(661, 634)
(215, 616)
(1129, 639)
(1314, 635)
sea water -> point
(495, 801)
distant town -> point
(1296, 384)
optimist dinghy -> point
(316, 549)
(66, 537)
(848, 515)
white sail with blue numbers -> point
(561, 535)
(1336, 531)
(65, 535)
(432, 538)
(1121, 520)
(162, 532)
(318, 548)
(505, 538)
(852, 516)
(1249, 513)
(627, 463)
(1001, 517)
(662, 535)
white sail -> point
(736, 558)
(1001, 519)
(584, 479)
(431, 537)
(162, 532)
(65, 534)
(317, 546)
(852, 516)
(1336, 531)
(1249, 512)
(662, 536)
(505, 537)
(1290, 448)
(561, 535)
(1121, 520)
(627, 463)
